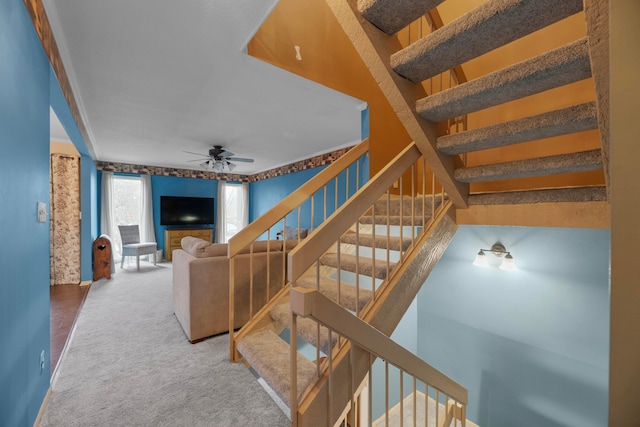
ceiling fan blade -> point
(196, 160)
(224, 153)
(240, 159)
(197, 154)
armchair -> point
(131, 245)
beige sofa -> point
(201, 284)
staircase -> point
(372, 255)
(405, 72)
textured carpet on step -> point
(129, 364)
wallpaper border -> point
(310, 163)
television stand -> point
(173, 238)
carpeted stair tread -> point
(487, 27)
(418, 221)
(556, 195)
(559, 67)
(269, 356)
(393, 15)
(329, 288)
(562, 163)
(573, 119)
(365, 265)
(394, 243)
(307, 328)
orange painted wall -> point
(328, 58)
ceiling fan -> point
(219, 159)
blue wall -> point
(264, 194)
(531, 346)
(24, 181)
(88, 179)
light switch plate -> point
(42, 212)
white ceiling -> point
(154, 78)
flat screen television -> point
(176, 210)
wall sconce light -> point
(498, 250)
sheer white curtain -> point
(107, 223)
(245, 204)
(221, 219)
(233, 209)
(147, 232)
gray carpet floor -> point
(130, 364)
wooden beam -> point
(571, 214)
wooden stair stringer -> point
(384, 314)
(375, 48)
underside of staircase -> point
(403, 72)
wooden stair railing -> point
(289, 211)
(411, 215)
(309, 303)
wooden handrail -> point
(312, 304)
(303, 256)
(254, 230)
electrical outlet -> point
(42, 361)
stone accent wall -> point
(313, 162)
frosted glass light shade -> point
(481, 260)
(508, 263)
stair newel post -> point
(293, 360)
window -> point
(233, 209)
(127, 203)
